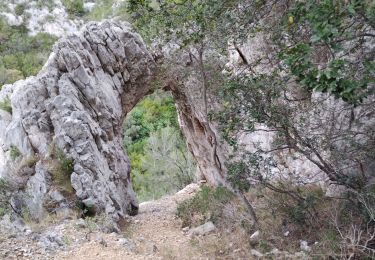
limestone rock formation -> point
(70, 116)
(76, 105)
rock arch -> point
(77, 103)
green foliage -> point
(6, 105)
(159, 159)
(329, 25)
(190, 22)
(8, 76)
(67, 240)
(20, 9)
(26, 216)
(324, 56)
(14, 153)
(240, 172)
(360, 204)
(166, 165)
(91, 224)
(105, 9)
(207, 204)
(45, 3)
(151, 114)
(61, 168)
(4, 197)
(297, 213)
(329, 242)
(21, 55)
(74, 7)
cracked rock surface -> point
(76, 104)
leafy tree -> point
(74, 7)
(159, 159)
(166, 165)
(21, 55)
(308, 47)
(319, 43)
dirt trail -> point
(155, 233)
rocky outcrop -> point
(68, 120)
(76, 105)
(200, 134)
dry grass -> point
(339, 235)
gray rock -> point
(304, 246)
(81, 223)
(56, 196)
(35, 191)
(12, 225)
(255, 236)
(256, 253)
(201, 230)
(65, 212)
(123, 241)
(77, 104)
(50, 240)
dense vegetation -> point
(315, 57)
(21, 55)
(318, 69)
(159, 159)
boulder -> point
(202, 230)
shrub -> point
(297, 204)
(45, 3)
(103, 9)
(6, 105)
(21, 55)
(61, 169)
(74, 7)
(206, 205)
(5, 188)
(160, 161)
(14, 153)
(19, 9)
(8, 76)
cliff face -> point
(71, 114)
(333, 137)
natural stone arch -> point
(78, 103)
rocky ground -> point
(155, 233)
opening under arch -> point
(160, 161)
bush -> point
(6, 105)
(5, 206)
(103, 9)
(21, 55)
(45, 3)
(19, 9)
(8, 76)
(61, 169)
(74, 7)
(14, 153)
(160, 161)
(206, 205)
